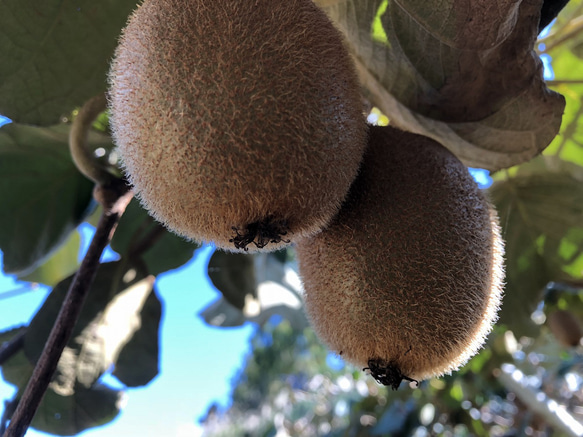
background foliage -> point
(56, 55)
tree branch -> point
(115, 199)
(538, 402)
(556, 82)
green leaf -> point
(86, 408)
(43, 196)
(568, 145)
(277, 291)
(137, 363)
(64, 262)
(17, 369)
(233, 274)
(55, 55)
(140, 238)
(541, 213)
(465, 76)
(110, 317)
(10, 333)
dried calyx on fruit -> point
(406, 281)
(238, 122)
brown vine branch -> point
(115, 199)
(556, 82)
(537, 401)
(571, 30)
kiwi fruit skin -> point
(565, 327)
(409, 274)
(235, 115)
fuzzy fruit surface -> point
(237, 119)
(410, 272)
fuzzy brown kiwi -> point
(406, 281)
(238, 122)
(565, 327)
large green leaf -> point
(110, 317)
(140, 238)
(55, 55)
(64, 262)
(17, 369)
(462, 72)
(86, 408)
(234, 275)
(564, 44)
(43, 195)
(541, 213)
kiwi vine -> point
(260, 233)
(387, 373)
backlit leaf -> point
(62, 263)
(43, 195)
(541, 214)
(137, 363)
(55, 55)
(110, 317)
(462, 72)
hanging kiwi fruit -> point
(238, 122)
(406, 281)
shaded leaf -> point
(137, 363)
(140, 238)
(43, 195)
(278, 291)
(17, 369)
(108, 320)
(394, 418)
(222, 313)
(10, 333)
(233, 274)
(541, 211)
(86, 408)
(55, 55)
(463, 73)
(64, 262)
(550, 10)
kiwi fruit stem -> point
(83, 157)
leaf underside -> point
(462, 72)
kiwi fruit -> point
(565, 327)
(237, 122)
(406, 281)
